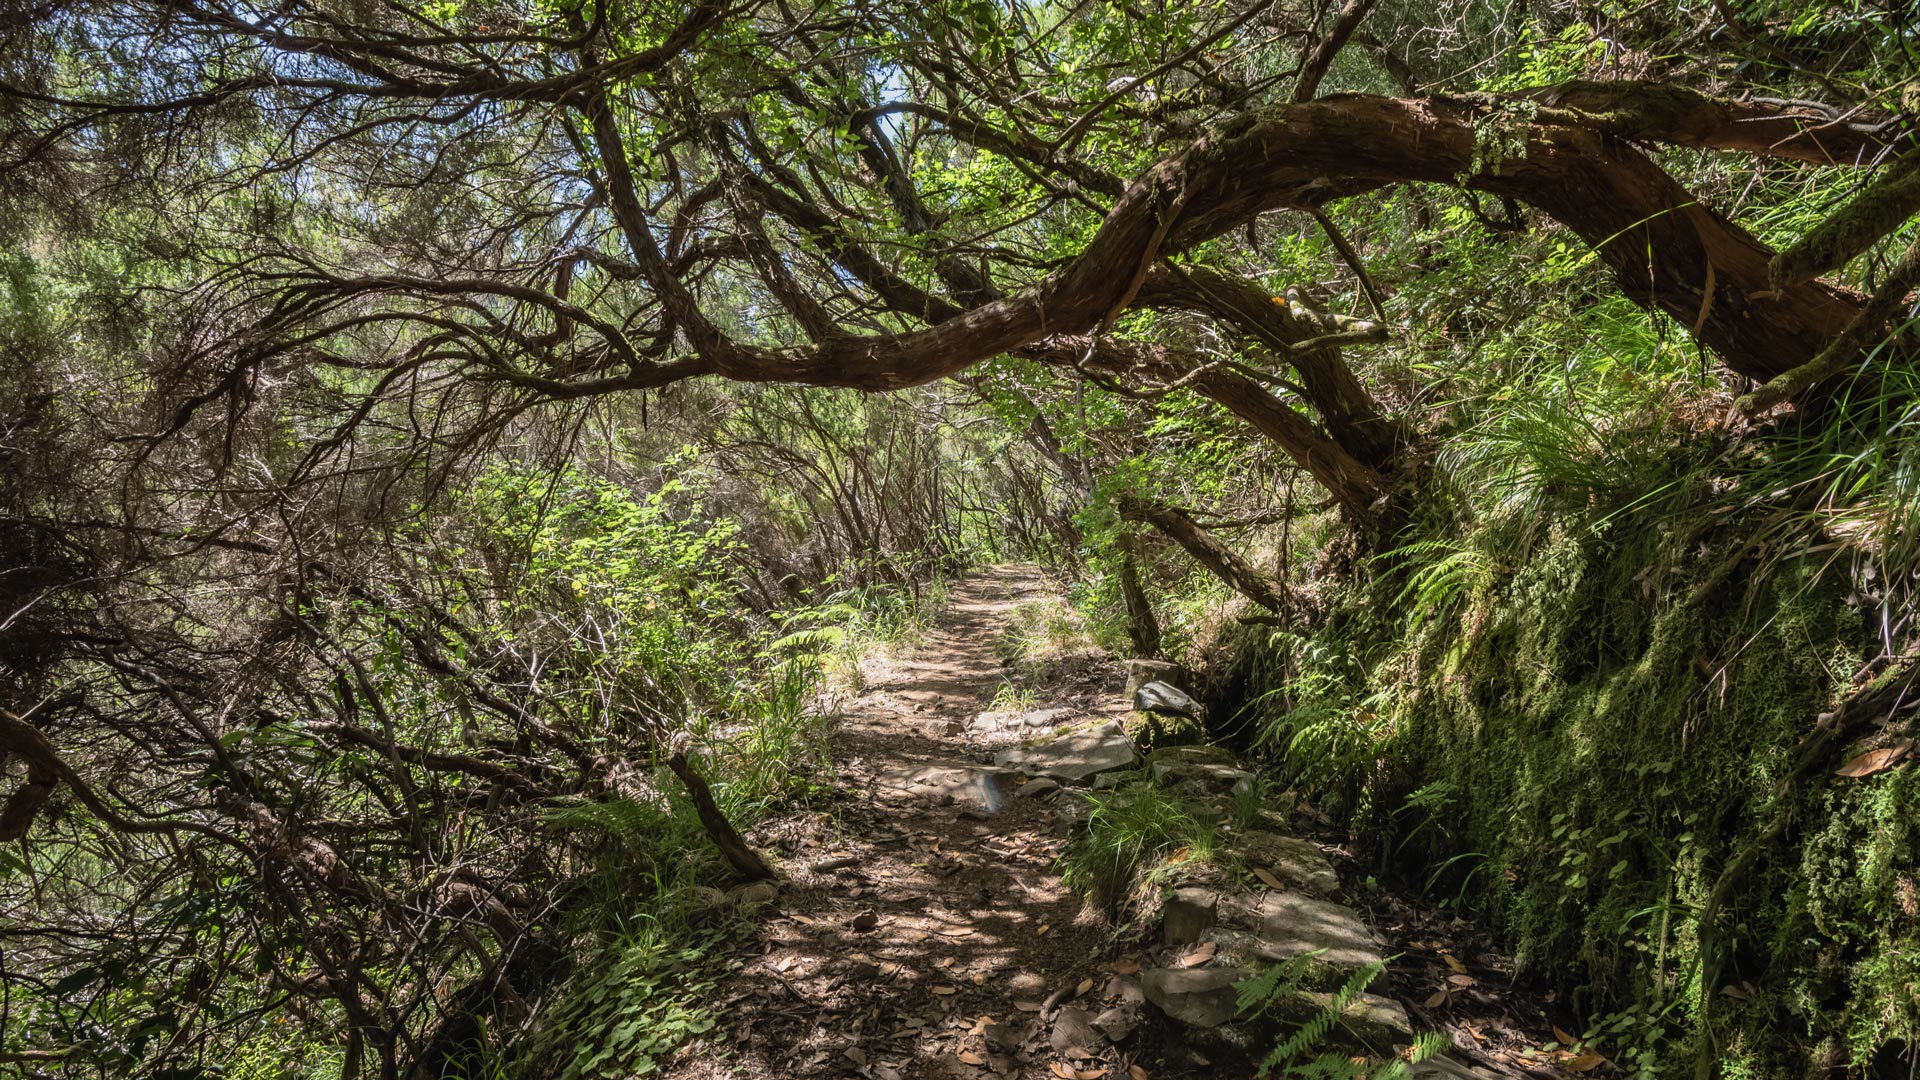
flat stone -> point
(1072, 755)
(1073, 1026)
(1294, 861)
(1211, 773)
(1042, 718)
(1115, 1023)
(973, 786)
(1165, 698)
(1294, 924)
(1039, 789)
(1187, 914)
(1369, 1020)
(1200, 997)
(1125, 989)
(1193, 755)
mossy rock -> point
(1151, 731)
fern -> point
(1281, 983)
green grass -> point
(1133, 837)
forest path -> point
(921, 930)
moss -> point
(1151, 730)
(1613, 716)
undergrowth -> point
(1304, 1052)
(1567, 696)
(1134, 837)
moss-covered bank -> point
(1572, 732)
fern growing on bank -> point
(1305, 1052)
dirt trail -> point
(922, 928)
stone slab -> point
(1072, 755)
(1197, 997)
(1293, 924)
(972, 787)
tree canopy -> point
(423, 420)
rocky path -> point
(921, 931)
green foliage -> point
(1589, 731)
(1133, 836)
(623, 1013)
(1304, 1051)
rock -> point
(1369, 1020)
(1187, 914)
(949, 783)
(1294, 861)
(1192, 755)
(1294, 924)
(1198, 997)
(1073, 1026)
(1116, 1023)
(1040, 718)
(1069, 813)
(834, 862)
(1125, 989)
(1166, 699)
(1039, 789)
(755, 894)
(1072, 754)
(1142, 672)
(1152, 731)
(1212, 774)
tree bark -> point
(745, 861)
(1207, 550)
(1143, 629)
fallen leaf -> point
(970, 1057)
(1460, 980)
(1027, 1006)
(1438, 999)
(1458, 967)
(1199, 954)
(1586, 1060)
(1085, 985)
(1874, 761)
(1126, 965)
(946, 991)
(1266, 878)
(1562, 1037)
(855, 1055)
(1135, 1072)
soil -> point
(920, 931)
